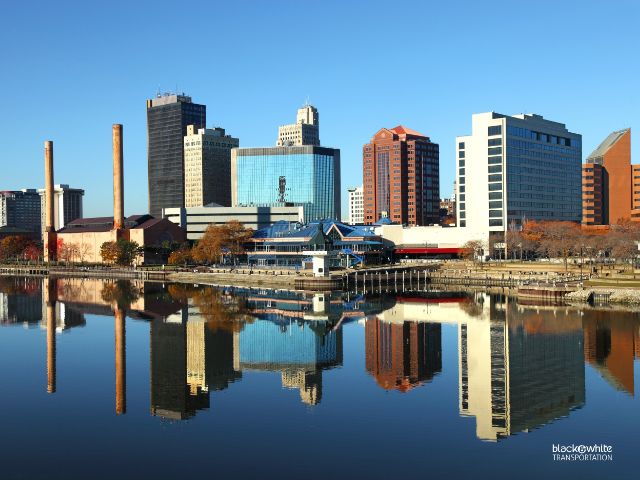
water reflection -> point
(519, 367)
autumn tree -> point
(14, 246)
(472, 250)
(559, 239)
(181, 256)
(123, 252)
(219, 240)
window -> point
(495, 141)
(495, 151)
(463, 223)
(461, 154)
(495, 204)
(495, 130)
(496, 177)
(495, 195)
(461, 197)
(495, 186)
(495, 213)
(461, 163)
(461, 172)
(495, 160)
(495, 168)
(461, 188)
(495, 222)
(461, 145)
(462, 206)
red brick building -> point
(608, 189)
(401, 177)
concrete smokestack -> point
(49, 236)
(118, 179)
(48, 185)
(121, 362)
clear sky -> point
(71, 69)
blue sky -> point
(71, 69)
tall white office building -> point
(67, 205)
(356, 206)
(517, 168)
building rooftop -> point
(105, 224)
(608, 142)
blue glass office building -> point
(288, 176)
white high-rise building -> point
(207, 166)
(356, 206)
(306, 130)
(67, 205)
(517, 168)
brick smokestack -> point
(118, 179)
(49, 236)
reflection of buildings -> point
(518, 372)
(611, 346)
(299, 350)
(402, 355)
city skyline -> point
(106, 82)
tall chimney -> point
(49, 236)
(118, 179)
(48, 185)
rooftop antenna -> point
(158, 92)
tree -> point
(180, 257)
(123, 252)
(219, 240)
(67, 252)
(559, 239)
(472, 250)
(13, 246)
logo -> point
(598, 452)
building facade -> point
(401, 177)
(195, 220)
(67, 205)
(167, 118)
(607, 183)
(356, 206)
(207, 166)
(306, 176)
(635, 178)
(517, 168)
(20, 209)
(306, 130)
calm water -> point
(140, 380)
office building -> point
(607, 184)
(67, 205)
(195, 220)
(20, 210)
(356, 206)
(207, 166)
(306, 130)
(307, 176)
(401, 177)
(517, 168)
(168, 116)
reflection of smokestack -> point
(50, 301)
(121, 362)
(118, 178)
(49, 236)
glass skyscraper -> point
(307, 176)
(167, 119)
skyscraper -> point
(167, 118)
(298, 172)
(517, 168)
(207, 165)
(67, 205)
(356, 206)
(401, 177)
(606, 181)
(20, 209)
(306, 130)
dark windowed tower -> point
(167, 119)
